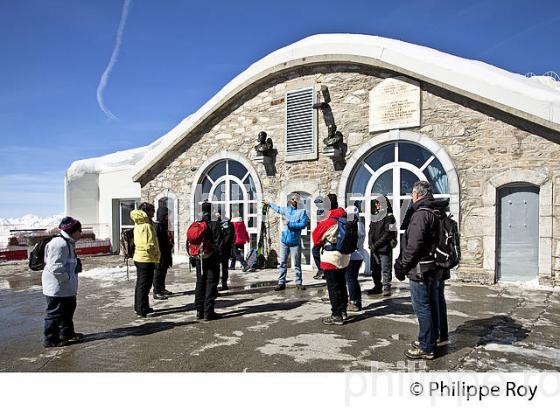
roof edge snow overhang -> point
(528, 108)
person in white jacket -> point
(60, 285)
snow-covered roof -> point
(120, 160)
(513, 93)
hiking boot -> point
(352, 307)
(145, 313)
(374, 291)
(212, 316)
(319, 275)
(333, 320)
(386, 292)
(48, 345)
(280, 287)
(415, 354)
(416, 343)
(300, 287)
(160, 296)
(75, 337)
(443, 341)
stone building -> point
(485, 138)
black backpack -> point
(37, 254)
(447, 252)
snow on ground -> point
(305, 347)
(548, 354)
(530, 285)
(109, 274)
(28, 221)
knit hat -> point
(70, 225)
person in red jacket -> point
(333, 263)
(241, 238)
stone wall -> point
(481, 143)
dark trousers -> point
(225, 272)
(316, 253)
(206, 291)
(159, 278)
(238, 256)
(354, 289)
(144, 280)
(381, 270)
(338, 295)
(443, 327)
(425, 303)
(59, 324)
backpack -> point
(447, 251)
(37, 254)
(127, 243)
(346, 236)
(197, 244)
(252, 257)
(227, 235)
(127, 247)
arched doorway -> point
(389, 165)
(231, 185)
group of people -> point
(216, 243)
(340, 266)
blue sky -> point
(175, 55)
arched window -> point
(391, 170)
(231, 189)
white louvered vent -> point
(300, 125)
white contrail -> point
(112, 61)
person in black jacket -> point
(381, 234)
(226, 246)
(416, 261)
(208, 269)
(166, 249)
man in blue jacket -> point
(294, 221)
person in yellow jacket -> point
(146, 255)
